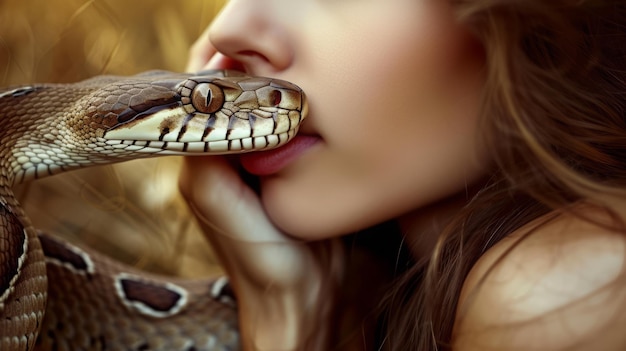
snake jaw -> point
(110, 119)
(216, 116)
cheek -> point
(399, 123)
(408, 86)
(373, 169)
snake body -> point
(57, 296)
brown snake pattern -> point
(57, 296)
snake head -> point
(108, 119)
(212, 112)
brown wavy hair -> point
(554, 120)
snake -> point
(55, 295)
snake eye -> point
(207, 97)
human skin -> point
(394, 91)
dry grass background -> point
(133, 211)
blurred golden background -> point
(132, 211)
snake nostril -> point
(276, 97)
(207, 97)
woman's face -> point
(393, 89)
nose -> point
(250, 31)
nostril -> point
(253, 54)
(276, 97)
(231, 63)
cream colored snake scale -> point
(57, 296)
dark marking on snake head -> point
(131, 114)
(166, 127)
(183, 128)
(150, 298)
(65, 255)
(152, 97)
(209, 126)
(252, 119)
(12, 248)
(129, 101)
(127, 115)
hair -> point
(553, 118)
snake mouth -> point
(210, 112)
(218, 147)
(175, 132)
(233, 129)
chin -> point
(307, 208)
(303, 227)
(310, 224)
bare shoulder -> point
(562, 287)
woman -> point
(494, 128)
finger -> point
(244, 239)
(221, 199)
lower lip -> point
(264, 163)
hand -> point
(285, 288)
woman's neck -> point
(422, 227)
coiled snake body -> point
(94, 303)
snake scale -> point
(57, 296)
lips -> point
(264, 163)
